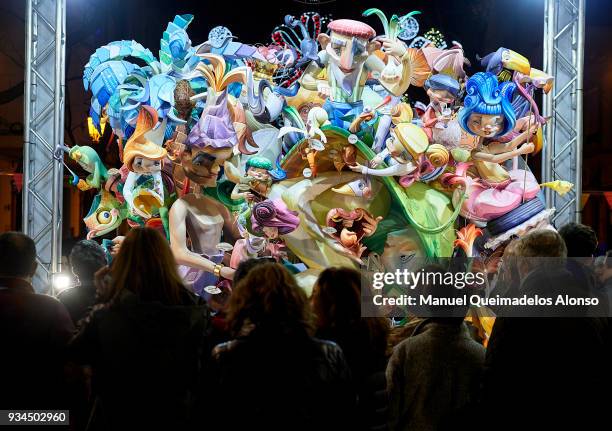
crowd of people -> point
(131, 348)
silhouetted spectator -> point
(34, 331)
(145, 345)
(433, 376)
(604, 273)
(336, 301)
(86, 258)
(284, 378)
(218, 303)
(247, 265)
(508, 279)
(546, 372)
(581, 243)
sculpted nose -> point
(346, 59)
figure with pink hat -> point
(348, 58)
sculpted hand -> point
(393, 47)
(375, 161)
(370, 224)
(358, 168)
(324, 90)
(526, 148)
(116, 245)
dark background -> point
(480, 26)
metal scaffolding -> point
(43, 133)
(564, 59)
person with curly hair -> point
(286, 379)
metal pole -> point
(58, 121)
(579, 114)
(547, 150)
(27, 101)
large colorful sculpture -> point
(307, 150)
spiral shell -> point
(437, 155)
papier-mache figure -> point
(408, 154)
(198, 222)
(488, 114)
(442, 91)
(255, 185)
(305, 149)
(272, 219)
(350, 227)
(348, 58)
(443, 88)
(144, 156)
(105, 215)
(89, 160)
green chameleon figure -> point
(90, 161)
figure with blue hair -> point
(488, 116)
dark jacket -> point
(78, 301)
(606, 290)
(34, 331)
(274, 381)
(433, 377)
(146, 360)
(367, 360)
(546, 372)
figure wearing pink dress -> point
(493, 191)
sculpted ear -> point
(373, 46)
(323, 40)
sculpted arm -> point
(502, 157)
(230, 228)
(309, 78)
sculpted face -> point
(397, 150)
(142, 165)
(258, 173)
(438, 97)
(270, 232)
(202, 165)
(487, 126)
(347, 52)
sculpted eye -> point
(358, 48)
(104, 217)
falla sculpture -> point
(306, 149)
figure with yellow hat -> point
(405, 146)
(144, 156)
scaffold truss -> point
(43, 133)
(564, 59)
